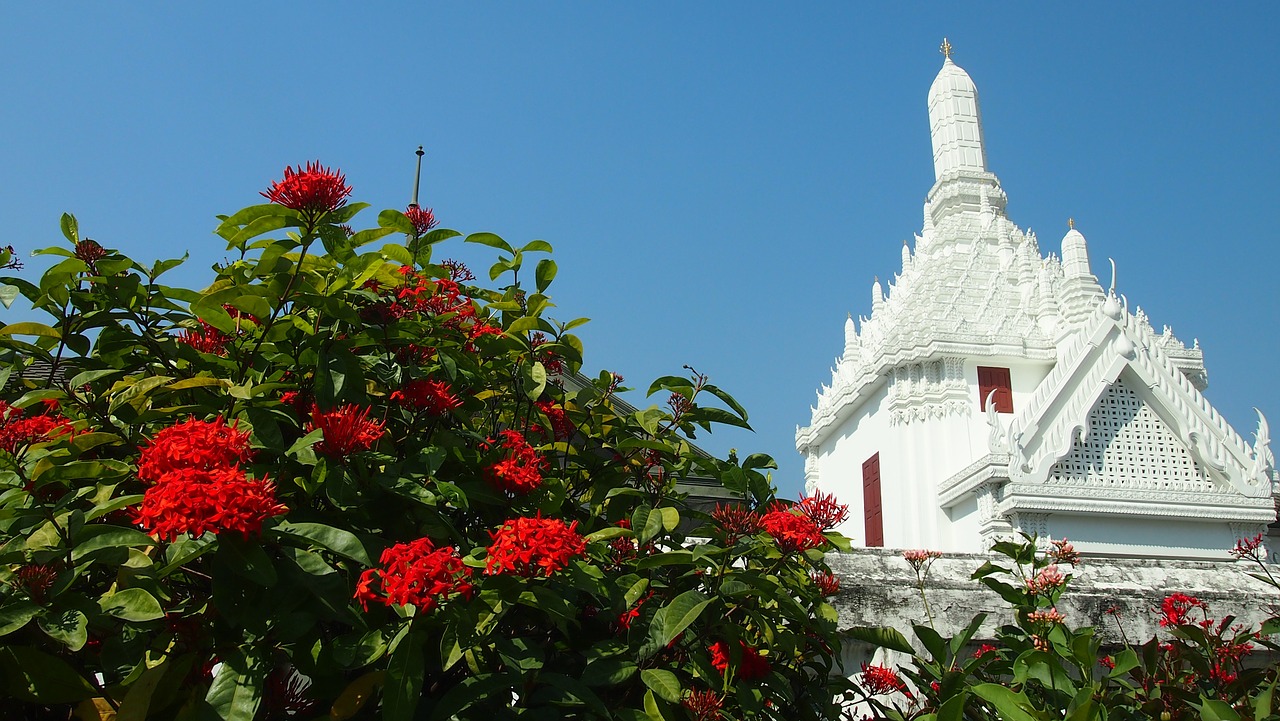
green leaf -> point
(69, 627)
(663, 683)
(535, 380)
(466, 692)
(132, 604)
(70, 228)
(343, 543)
(704, 414)
(397, 221)
(537, 246)
(953, 709)
(652, 526)
(1126, 661)
(8, 294)
(675, 617)
(405, 668)
(96, 537)
(544, 273)
(607, 534)
(16, 615)
(490, 240)
(237, 689)
(889, 638)
(34, 675)
(305, 442)
(1262, 704)
(30, 328)
(1010, 705)
(670, 518)
(1214, 710)
(608, 671)
(575, 690)
(137, 702)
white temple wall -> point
(963, 526)
(1111, 535)
(840, 459)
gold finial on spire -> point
(945, 49)
(1071, 223)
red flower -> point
(985, 649)
(205, 339)
(549, 360)
(416, 574)
(631, 614)
(435, 397)
(1177, 606)
(347, 430)
(823, 510)
(196, 501)
(458, 271)
(877, 680)
(316, 189)
(703, 705)
(193, 444)
(422, 218)
(480, 330)
(561, 426)
(1107, 662)
(735, 522)
(89, 251)
(1248, 547)
(828, 584)
(534, 547)
(18, 430)
(752, 665)
(794, 533)
(35, 579)
(520, 470)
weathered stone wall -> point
(877, 588)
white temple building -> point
(995, 389)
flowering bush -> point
(194, 486)
(1043, 666)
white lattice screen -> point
(1128, 446)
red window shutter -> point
(871, 507)
(995, 379)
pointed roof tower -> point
(955, 121)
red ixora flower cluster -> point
(199, 486)
(35, 579)
(1176, 609)
(205, 339)
(346, 430)
(434, 397)
(793, 532)
(415, 574)
(823, 510)
(316, 189)
(703, 705)
(534, 547)
(752, 665)
(18, 430)
(561, 427)
(878, 680)
(735, 522)
(423, 219)
(520, 469)
(828, 583)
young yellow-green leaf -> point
(355, 696)
(137, 701)
(663, 683)
(70, 228)
(30, 328)
(132, 604)
(1012, 706)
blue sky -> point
(721, 181)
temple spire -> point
(417, 178)
(945, 49)
(955, 121)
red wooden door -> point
(871, 507)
